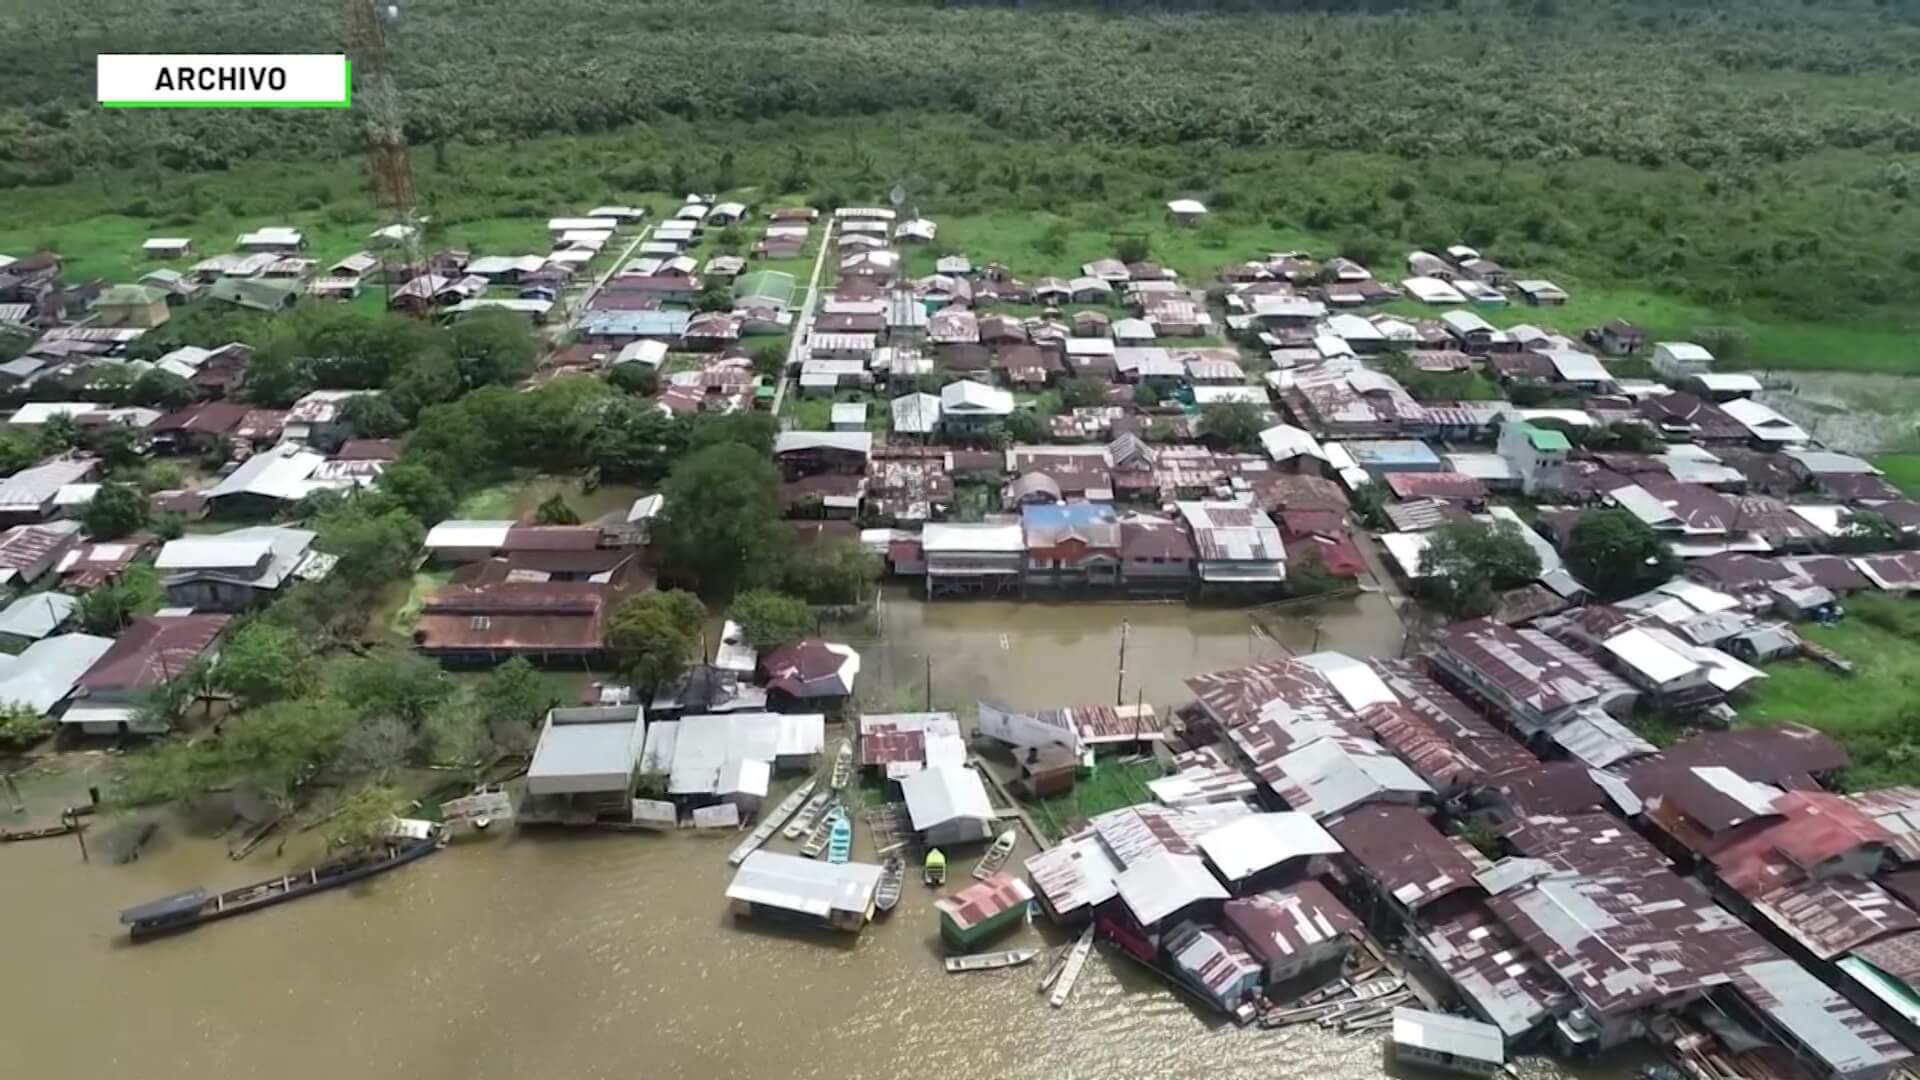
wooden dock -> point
(771, 823)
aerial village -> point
(1467, 849)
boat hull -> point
(210, 912)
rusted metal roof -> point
(983, 900)
(1275, 688)
(1450, 486)
(1501, 979)
(535, 616)
(1837, 915)
(1438, 761)
(1493, 751)
(1897, 810)
(1214, 959)
(1075, 874)
(1815, 1016)
(153, 651)
(1771, 755)
(1523, 665)
(1281, 925)
(1134, 833)
(1405, 854)
(1621, 930)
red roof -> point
(368, 450)
(1810, 828)
(551, 538)
(1457, 487)
(1280, 925)
(153, 651)
(1402, 850)
(979, 902)
(533, 616)
(207, 417)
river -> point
(613, 956)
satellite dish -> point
(898, 195)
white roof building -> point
(1186, 207)
(836, 893)
(649, 352)
(1432, 291)
(942, 794)
(592, 750)
(1245, 846)
(279, 473)
(1763, 423)
(37, 615)
(966, 398)
(44, 673)
(705, 744)
(916, 414)
(1163, 884)
(1284, 442)
(30, 490)
(39, 412)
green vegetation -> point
(1466, 564)
(654, 635)
(1876, 710)
(1616, 555)
(1112, 786)
(1903, 471)
(771, 618)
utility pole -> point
(929, 707)
(1120, 676)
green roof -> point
(776, 286)
(1546, 439)
(260, 294)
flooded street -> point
(613, 955)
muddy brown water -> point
(590, 956)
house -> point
(1449, 1043)
(34, 617)
(167, 247)
(970, 407)
(1159, 891)
(1680, 359)
(897, 745)
(1236, 545)
(275, 238)
(916, 414)
(42, 675)
(1293, 929)
(1156, 554)
(29, 552)
(848, 416)
(1186, 211)
(1618, 338)
(1432, 290)
(266, 480)
(953, 326)
(110, 698)
(585, 766)
(1073, 543)
(1537, 454)
(239, 570)
(1541, 293)
(833, 896)
(1532, 681)
(916, 231)
(981, 911)
(811, 670)
(948, 805)
(141, 306)
(804, 453)
(1765, 427)
(255, 294)
(1264, 848)
(543, 621)
(973, 557)
(1215, 964)
(29, 494)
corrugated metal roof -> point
(1256, 842)
(704, 745)
(939, 795)
(1452, 1035)
(1402, 851)
(1077, 873)
(586, 750)
(1818, 1018)
(1333, 774)
(1501, 978)
(1164, 883)
(37, 615)
(983, 900)
(1282, 924)
(44, 673)
(807, 886)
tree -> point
(638, 379)
(16, 453)
(770, 618)
(371, 416)
(423, 492)
(278, 749)
(162, 476)
(277, 377)
(1864, 532)
(1133, 247)
(721, 526)
(390, 682)
(555, 511)
(431, 378)
(363, 820)
(116, 510)
(770, 358)
(22, 726)
(58, 435)
(716, 296)
(111, 608)
(1236, 425)
(162, 389)
(754, 429)
(1616, 555)
(1024, 426)
(832, 571)
(374, 543)
(635, 441)
(375, 747)
(655, 634)
(117, 445)
(1084, 393)
(1146, 395)
(1465, 564)
(492, 347)
(511, 701)
(262, 661)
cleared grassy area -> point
(1043, 244)
(1903, 471)
(1876, 710)
(1111, 787)
(514, 498)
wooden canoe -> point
(996, 856)
(992, 961)
(891, 873)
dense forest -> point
(1641, 81)
(1756, 158)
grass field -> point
(1875, 711)
(1903, 471)
(1111, 787)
